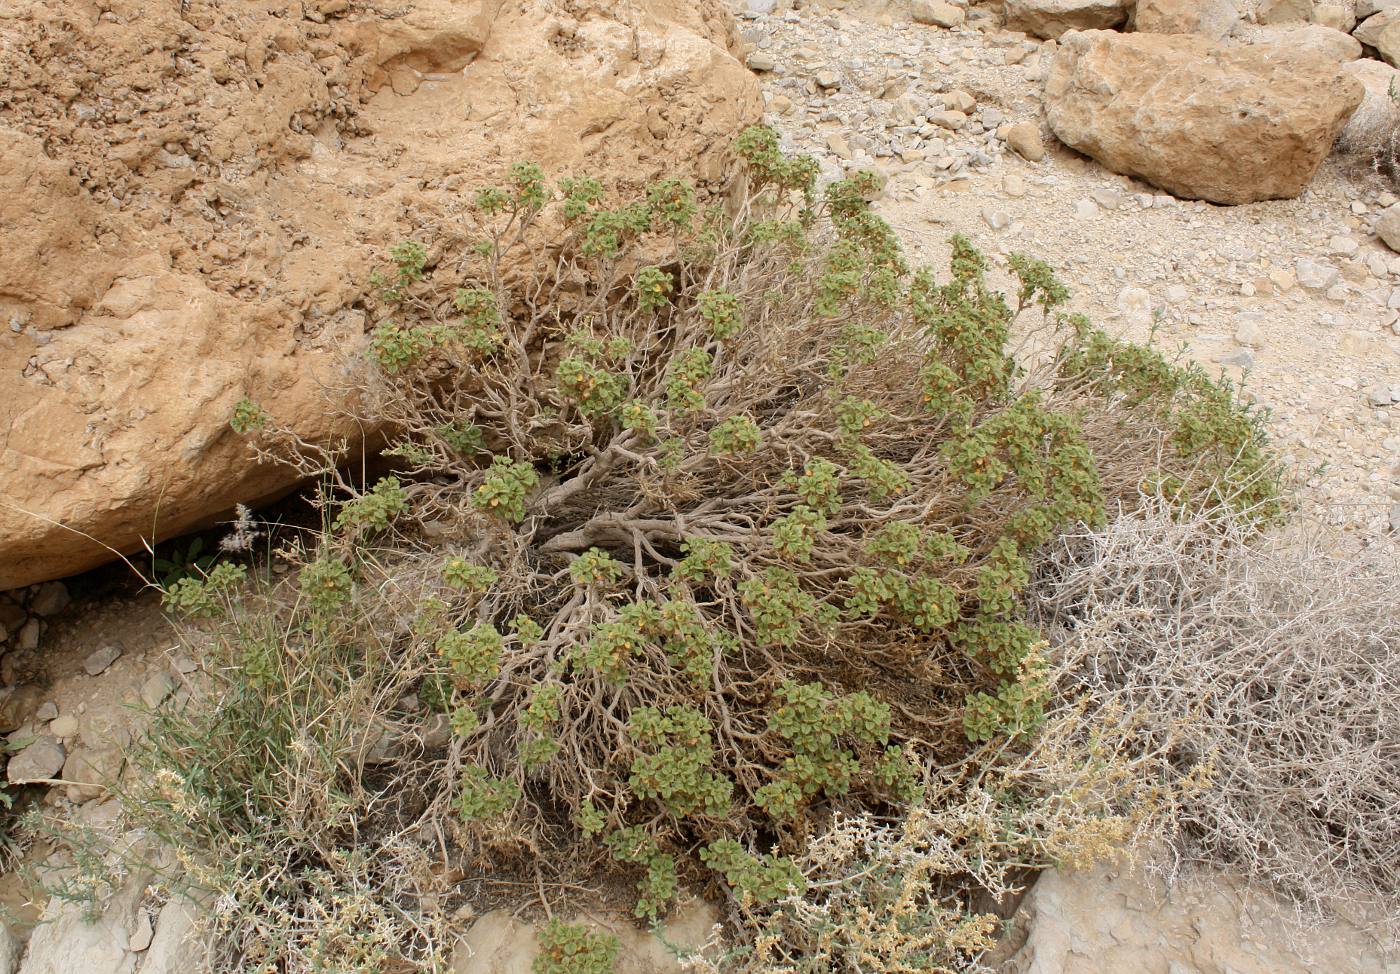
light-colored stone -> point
(1334, 15)
(90, 769)
(1230, 125)
(1024, 139)
(937, 13)
(1051, 18)
(1212, 19)
(995, 218)
(1284, 12)
(1315, 275)
(1388, 226)
(249, 247)
(1112, 921)
(1324, 41)
(10, 950)
(157, 687)
(1013, 185)
(760, 61)
(39, 761)
(1365, 8)
(176, 947)
(1374, 121)
(948, 120)
(958, 100)
(1369, 31)
(64, 726)
(1249, 329)
(68, 941)
(102, 657)
(838, 145)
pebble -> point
(101, 658)
(38, 762)
(51, 598)
(1085, 210)
(1249, 329)
(1315, 275)
(1013, 185)
(996, 219)
(64, 726)
(156, 688)
(828, 80)
(1107, 198)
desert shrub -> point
(708, 523)
(899, 895)
(1275, 661)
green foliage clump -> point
(204, 597)
(572, 948)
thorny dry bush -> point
(1273, 661)
(708, 525)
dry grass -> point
(1275, 661)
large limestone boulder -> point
(1229, 125)
(1326, 41)
(1212, 19)
(1372, 127)
(1111, 920)
(1382, 32)
(192, 194)
(1051, 18)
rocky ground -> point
(1295, 298)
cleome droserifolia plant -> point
(730, 512)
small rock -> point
(156, 688)
(1249, 329)
(937, 13)
(101, 658)
(89, 770)
(1085, 210)
(65, 726)
(761, 61)
(780, 104)
(1315, 275)
(996, 219)
(39, 761)
(959, 101)
(838, 145)
(992, 117)
(1176, 294)
(1024, 139)
(51, 598)
(1282, 279)
(1334, 15)
(1013, 185)
(1388, 226)
(1284, 12)
(948, 120)
(1241, 359)
(29, 635)
(1135, 306)
(1107, 198)
(1342, 246)
(1337, 292)
(141, 935)
(1380, 396)
(828, 80)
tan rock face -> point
(1110, 920)
(1051, 18)
(192, 195)
(1229, 125)
(1208, 18)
